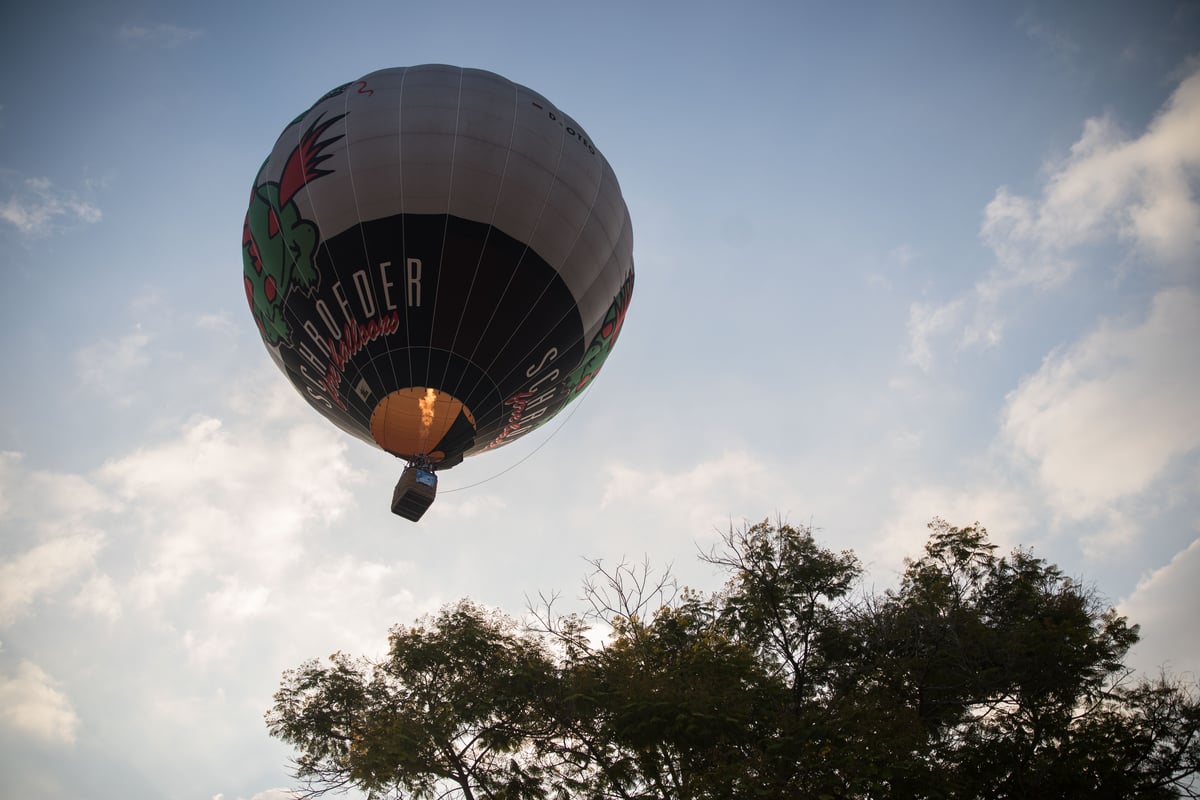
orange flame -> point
(427, 414)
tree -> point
(978, 676)
(449, 711)
(1014, 675)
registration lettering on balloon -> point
(566, 125)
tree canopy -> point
(979, 676)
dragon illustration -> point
(604, 340)
(278, 245)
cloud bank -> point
(1139, 192)
(1102, 419)
(31, 704)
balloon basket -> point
(415, 492)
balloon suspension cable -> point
(574, 407)
(421, 462)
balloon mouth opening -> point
(422, 421)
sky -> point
(894, 262)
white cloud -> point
(1166, 604)
(220, 324)
(110, 366)
(1141, 188)
(43, 570)
(1004, 512)
(208, 646)
(213, 546)
(902, 255)
(54, 532)
(213, 491)
(1024, 257)
(234, 602)
(897, 260)
(48, 504)
(1102, 419)
(157, 34)
(1111, 533)
(32, 705)
(75, 498)
(263, 396)
(37, 207)
(226, 611)
(925, 323)
(705, 493)
(220, 572)
(99, 597)
(1052, 38)
(355, 600)
(249, 464)
(10, 468)
(1141, 192)
(469, 505)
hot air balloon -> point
(439, 260)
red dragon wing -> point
(303, 163)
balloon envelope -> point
(438, 259)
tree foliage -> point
(979, 676)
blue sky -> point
(895, 261)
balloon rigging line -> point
(570, 251)
(446, 225)
(403, 209)
(512, 137)
(520, 260)
(583, 334)
(575, 407)
(362, 234)
(575, 242)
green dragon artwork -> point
(603, 341)
(278, 245)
